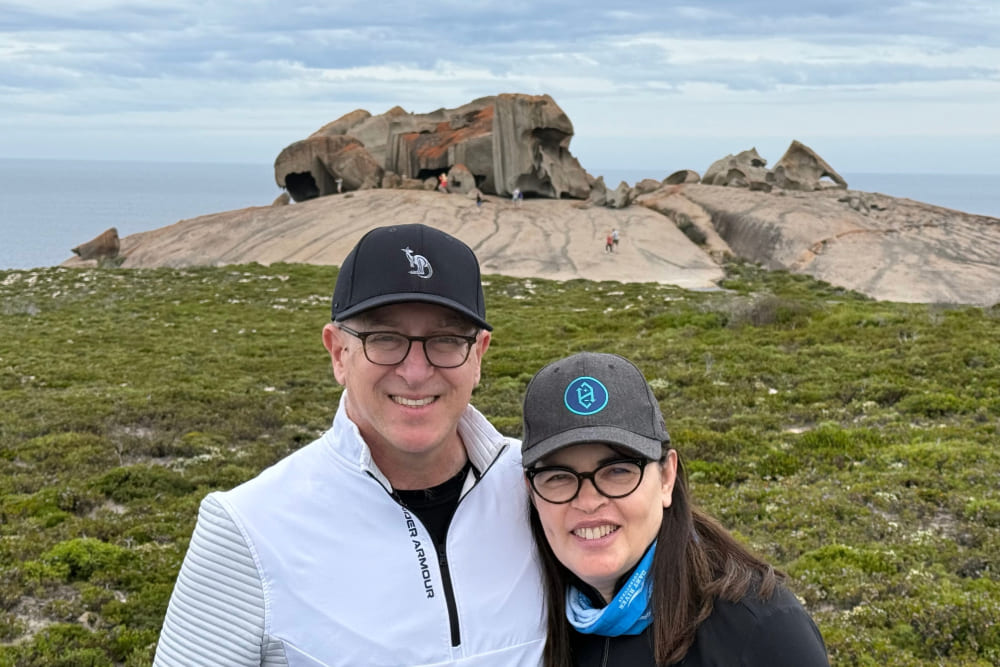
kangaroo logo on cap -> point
(421, 267)
(585, 396)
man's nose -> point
(415, 365)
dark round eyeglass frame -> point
(592, 476)
(363, 336)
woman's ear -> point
(668, 475)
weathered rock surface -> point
(506, 142)
(800, 168)
(557, 239)
(746, 169)
(682, 176)
(103, 246)
(888, 248)
(311, 167)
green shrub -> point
(139, 482)
(933, 404)
(849, 441)
(832, 444)
(11, 627)
(984, 511)
(714, 473)
(81, 558)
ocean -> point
(50, 206)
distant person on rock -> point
(443, 182)
(609, 243)
(340, 185)
(516, 196)
(635, 574)
(398, 537)
(614, 238)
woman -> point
(634, 574)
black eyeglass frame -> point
(640, 461)
(363, 337)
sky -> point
(899, 86)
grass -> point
(851, 442)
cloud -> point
(723, 67)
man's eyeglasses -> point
(614, 479)
(388, 348)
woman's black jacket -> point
(750, 633)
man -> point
(392, 539)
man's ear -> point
(335, 343)
(479, 348)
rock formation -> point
(800, 168)
(103, 246)
(461, 180)
(798, 216)
(646, 185)
(311, 167)
(503, 142)
(621, 197)
(884, 247)
(743, 170)
(682, 176)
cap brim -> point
(649, 448)
(411, 297)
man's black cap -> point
(407, 263)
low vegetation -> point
(852, 442)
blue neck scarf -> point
(627, 614)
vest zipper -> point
(442, 553)
(449, 594)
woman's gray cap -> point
(591, 397)
(407, 263)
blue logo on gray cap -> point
(586, 396)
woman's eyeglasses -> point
(614, 479)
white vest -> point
(351, 578)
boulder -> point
(598, 193)
(461, 180)
(411, 184)
(429, 144)
(282, 200)
(504, 142)
(311, 167)
(531, 136)
(741, 170)
(646, 186)
(343, 124)
(621, 197)
(103, 246)
(681, 177)
(376, 134)
(391, 180)
(800, 168)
